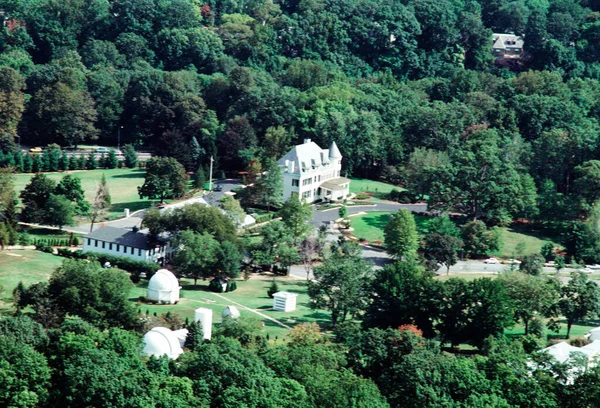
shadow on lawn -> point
(379, 221)
(138, 173)
(132, 205)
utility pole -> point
(210, 177)
(119, 137)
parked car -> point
(36, 150)
(102, 150)
(218, 187)
(513, 262)
(594, 266)
(587, 270)
(491, 261)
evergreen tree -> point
(111, 161)
(131, 159)
(91, 163)
(199, 178)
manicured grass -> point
(122, 185)
(370, 226)
(28, 266)
(47, 233)
(533, 240)
(251, 293)
(579, 329)
(358, 185)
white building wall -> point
(124, 251)
(317, 177)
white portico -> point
(313, 173)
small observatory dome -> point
(230, 312)
(160, 341)
(163, 287)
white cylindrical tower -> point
(204, 316)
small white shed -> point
(230, 312)
(284, 301)
(163, 287)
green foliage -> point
(350, 275)
(532, 264)
(401, 238)
(478, 239)
(130, 156)
(274, 288)
(35, 195)
(165, 178)
(579, 298)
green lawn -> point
(358, 185)
(577, 330)
(370, 226)
(533, 240)
(122, 185)
(47, 233)
(251, 293)
(28, 266)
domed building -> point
(230, 312)
(161, 341)
(163, 287)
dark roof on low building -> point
(121, 236)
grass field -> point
(47, 233)
(252, 294)
(358, 185)
(533, 240)
(28, 266)
(122, 185)
(370, 226)
(577, 330)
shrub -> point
(44, 247)
(231, 286)
(130, 265)
(404, 197)
(362, 196)
(24, 239)
(216, 285)
(264, 217)
(273, 289)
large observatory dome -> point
(160, 341)
(163, 287)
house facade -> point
(314, 174)
(508, 45)
(125, 242)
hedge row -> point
(130, 265)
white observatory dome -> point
(163, 287)
(230, 312)
(160, 341)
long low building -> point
(126, 242)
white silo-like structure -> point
(230, 312)
(204, 316)
(163, 287)
(161, 341)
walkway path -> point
(254, 311)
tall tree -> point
(401, 238)
(341, 285)
(165, 178)
(295, 214)
(579, 299)
(101, 203)
(441, 249)
(34, 196)
(197, 255)
(58, 211)
(12, 105)
(271, 184)
(70, 187)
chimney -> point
(306, 141)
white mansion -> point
(313, 173)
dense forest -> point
(409, 90)
(411, 93)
